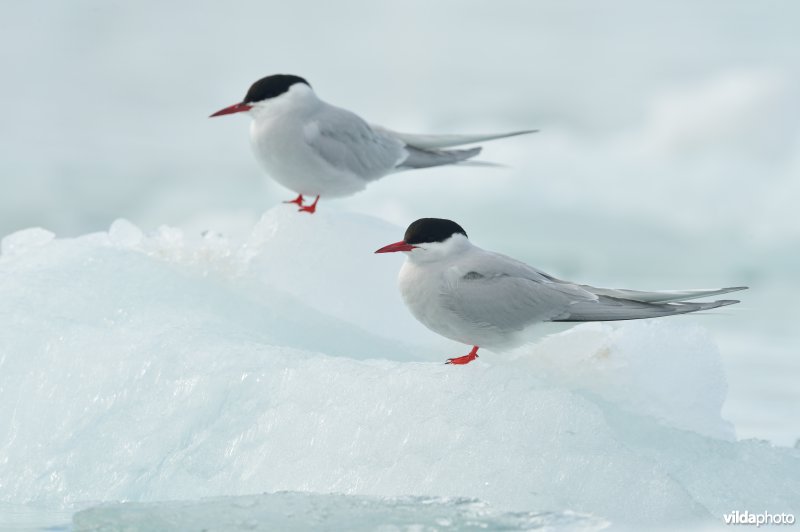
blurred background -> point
(668, 157)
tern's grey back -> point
(349, 144)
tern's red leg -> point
(310, 209)
(297, 201)
(466, 359)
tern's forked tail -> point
(419, 158)
(428, 150)
(606, 308)
(437, 142)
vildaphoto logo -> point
(764, 518)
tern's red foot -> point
(310, 209)
(297, 201)
(466, 359)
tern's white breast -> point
(425, 288)
(281, 145)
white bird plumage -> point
(317, 149)
(485, 299)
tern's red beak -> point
(235, 108)
(397, 246)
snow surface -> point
(179, 366)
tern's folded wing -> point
(661, 296)
(508, 302)
(613, 309)
(349, 144)
(437, 142)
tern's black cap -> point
(432, 230)
(271, 86)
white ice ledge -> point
(173, 367)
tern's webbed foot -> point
(466, 359)
(297, 201)
(310, 209)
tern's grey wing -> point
(661, 296)
(349, 144)
(437, 142)
(425, 151)
(607, 308)
(508, 295)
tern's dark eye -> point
(271, 86)
(432, 230)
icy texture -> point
(652, 367)
(303, 511)
(22, 241)
(658, 163)
(180, 366)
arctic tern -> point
(485, 299)
(317, 149)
